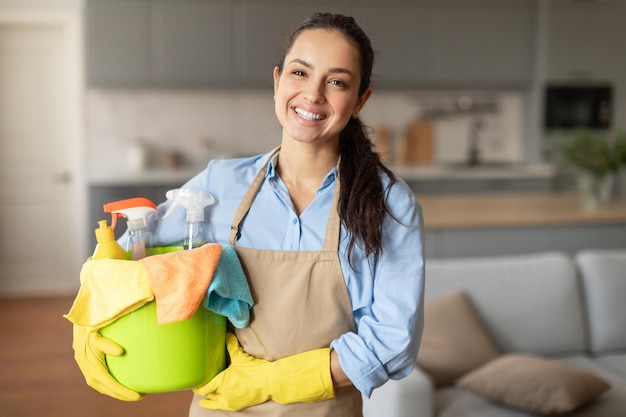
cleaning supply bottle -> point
(107, 246)
(194, 202)
(136, 211)
(174, 356)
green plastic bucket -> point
(169, 357)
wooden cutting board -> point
(419, 146)
(383, 142)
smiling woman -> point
(316, 92)
(331, 243)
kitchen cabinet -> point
(487, 224)
(191, 42)
(447, 243)
(585, 41)
(152, 43)
(482, 44)
(260, 34)
(451, 43)
(117, 44)
(400, 37)
(220, 43)
(495, 185)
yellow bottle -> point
(107, 246)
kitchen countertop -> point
(514, 210)
(144, 177)
(485, 171)
(408, 173)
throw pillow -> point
(454, 340)
(534, 384)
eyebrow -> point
(332, 70)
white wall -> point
(235, 122)
(244, 123)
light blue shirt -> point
(386, 293)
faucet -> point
(473, 155)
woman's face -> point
(317, 92)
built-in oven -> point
(569, 106)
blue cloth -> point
(228, 293)
(386, 293)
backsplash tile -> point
(244, 123)
(176, 121)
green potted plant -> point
(597, 158)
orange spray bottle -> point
(136, 211)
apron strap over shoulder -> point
(331, 239)
(333, 226)
(247, 200)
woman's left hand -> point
(249, 381)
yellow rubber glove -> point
(89, 350)
(249, 381)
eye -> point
(338, 83)
(299, 73)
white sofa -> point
(561, 308)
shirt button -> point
(295, 221)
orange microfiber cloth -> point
(180, 280)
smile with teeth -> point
(308, 115)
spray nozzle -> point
(194, 202)
(136, 210)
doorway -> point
(42, 191)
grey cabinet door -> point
(482, 44)
(452, 243)
(493, 241)
(154, 43)
(400, 36)
(191, 42)
(117, 42)
(586, 41)
(213, 43)
(260, 34)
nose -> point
(314, 92)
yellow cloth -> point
(180, 280)
(248, 381)
(110, 288)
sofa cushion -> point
(615, 363)
(453, 401)
(454, 340)
(603, 275)
(534, 384)
(528, 303)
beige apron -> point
(301, 303)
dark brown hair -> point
(362, 205)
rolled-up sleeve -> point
(387, 296)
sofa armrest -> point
(412, 396)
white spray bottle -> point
(136, 211)
(194, 202)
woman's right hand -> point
(89, 350)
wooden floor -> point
(38, 375)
